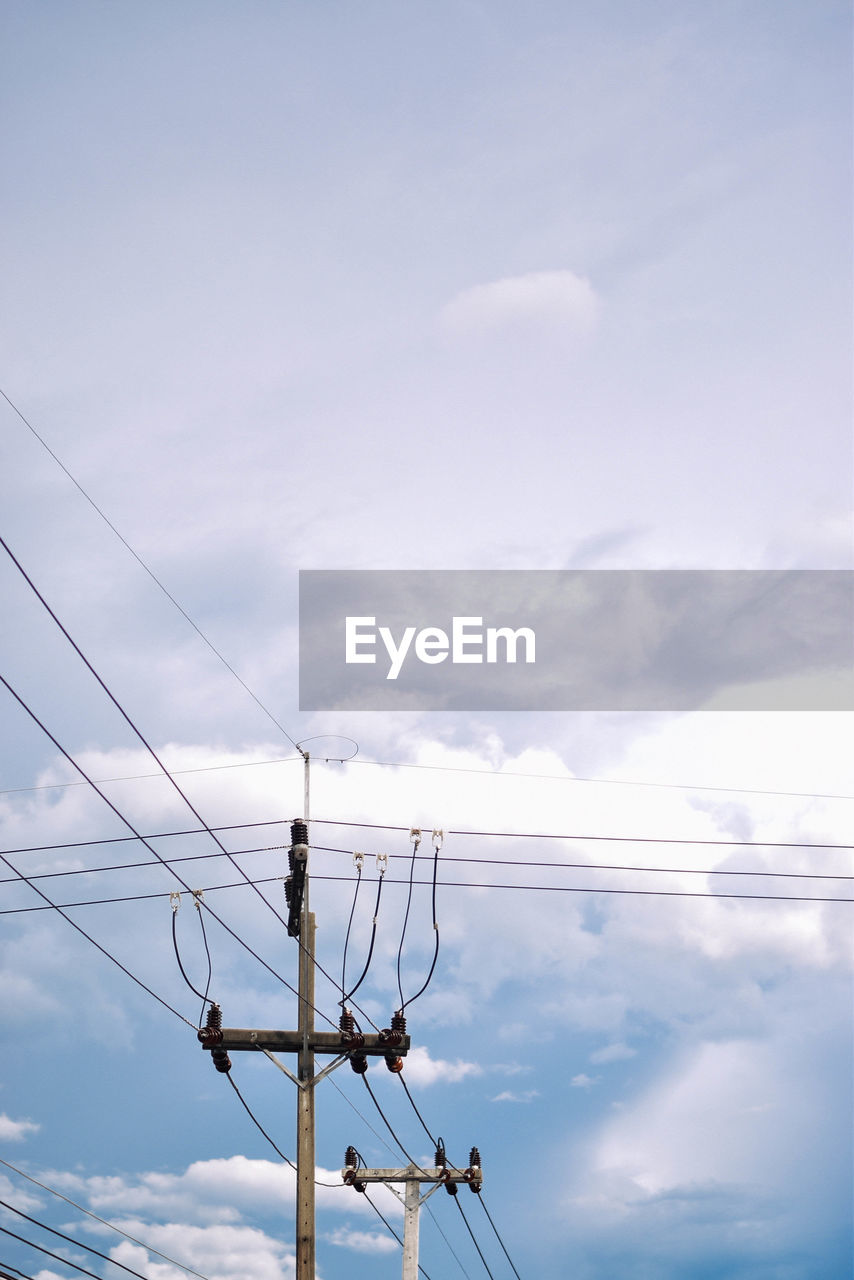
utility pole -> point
(345, 1044)
(412, 1199)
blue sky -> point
(311, 287)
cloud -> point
(613, 1053)
(214, 1191)
(509, 1096)
(221, 1252)
(421, 1069)
(362, 1241)
(582, 1081)
(16, 1130)
(557, 300)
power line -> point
(471, 1233)
(497, 1236)
(61, 911)
(150, 572)
(43, 1186)
(151, 849)
(66, 1261)
(587, 866)
(391, 1229)
(576, 839)
(485, 862)
(546, 835)
(452, 884)
(127, 718)
(610, 782)
(71, 1240)
(440, 768)
(145, 777)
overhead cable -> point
(150, 572)
(67, 1261)
(127, 718)
(52, 1191)
(451, 884)
(544, 835)
(148, 846)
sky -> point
(477, 286)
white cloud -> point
(16, 1130)
(211, 1192)
(555, 299)
(613, 1053)
(509, 1096)
(362, 1241)
(420, 1068)
(582, 1081)
(220, 1252)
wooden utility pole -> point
(412, 1199)
(305, 1108)
(345, 1043)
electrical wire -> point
(388, 1125)
(415, 837)
(542, 835)
(130, 722)
(486, 862)
(480, 1194)
(151, 835)
(497, 1235)
(608, 782)
(427, 980)
(145, 777)
(58, 908)
(7, 1275)
(414, 1108)
(333, 1185)
(43, 1186)
(379, 1214)
(390, 1149)
(204, 998)
(149, 571)
(490, 773)
(471, 1233)
(275, 822)
(364, 973)
(258, 1124)
(585, 866)
(57, 1257)
(453, 884)
(150, 848)
(77, 1243)
(347, 936)
(138, 733)
(438, 1227)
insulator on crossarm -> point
(351, 1159)
(441, 1157)
(220, 1058)
(394, 1034)
(211, 1033)
(359, 1062)
(474, 1174)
